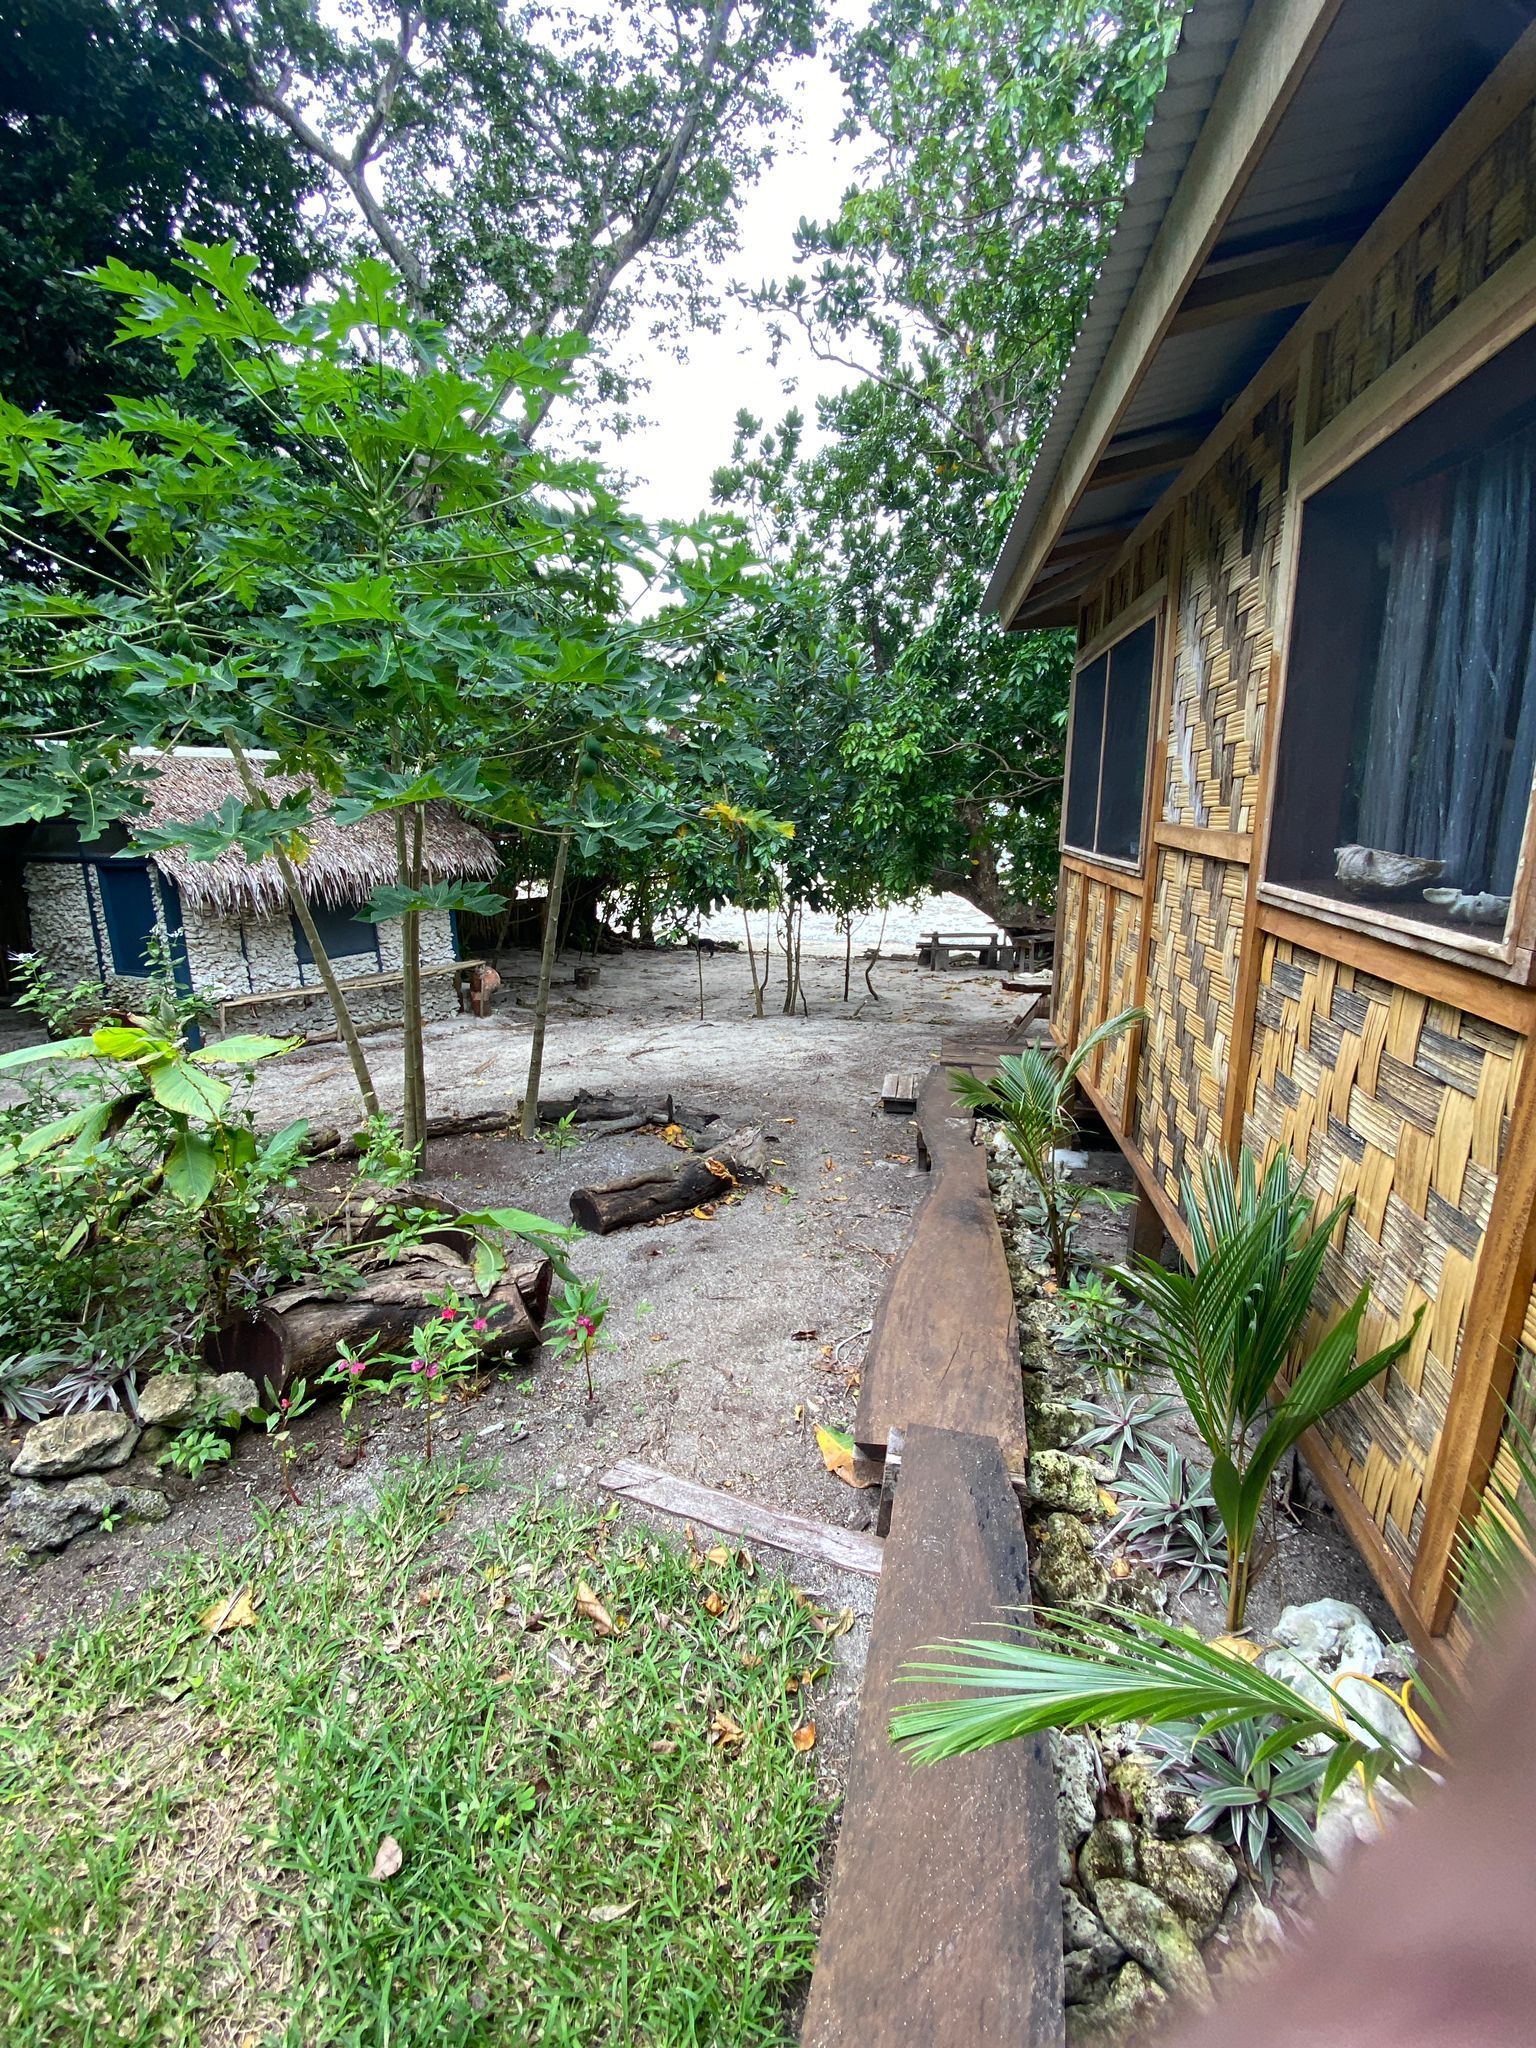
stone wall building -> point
(226, 925)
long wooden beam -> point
(1149, 457)
(1290, 277)
(1271, 58)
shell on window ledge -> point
(1372, 871)
(1480, 909)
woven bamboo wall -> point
(1112, 1061)
(1095, 969)
(1402, 1103)
(1223, 627)
(1146, 565)
(1477, 225)
(1069, 956)
(1197, 914)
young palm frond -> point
(1106, 1671)
(1225, 1329)
(1029, 1096)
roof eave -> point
(1267, 64)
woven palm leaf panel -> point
(1069, 958)
(1111, 1062)
(1459, 244)
(1145, 565)
(1403, 1104)
(1223, 625)
(1090, 1007)
(1197, 916)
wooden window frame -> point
(1489, 320)
(1151, 607)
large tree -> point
(950, 285)
(533, 169)
(124, 126)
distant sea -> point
(903, 923)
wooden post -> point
(1501, 1289)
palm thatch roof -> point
(343, 865)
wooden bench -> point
(992, 949)
(943, 1922)
(264, 999)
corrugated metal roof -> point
(1388, 78)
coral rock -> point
(1121, 2014)
(1058, 1480)
(230, 1396)
(1067, 1573)
(1195, 1876)
(171, 1398)
(1109, 1852)
(67, 1444)
(1152, 1934)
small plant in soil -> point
(278, 1422)
(1226, 1329)
(444, 1353)
(575, 1328)
(1170, 1518)
(22, 1399)
(1255, 1785)
(1029, 1097)
(1097, 1324)
(1120, 1420)
(194, 1451)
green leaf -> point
(56, 1049)
(178, 1086)
(243, 1051)
(191, 1168)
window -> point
(128, 908)
(1107, 762)
(1409, 736)
(342, 933)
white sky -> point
(694, 404)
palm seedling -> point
(1030, 1097)
(1225, 1329)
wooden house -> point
(96, 907)
(1287, 500)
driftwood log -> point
(667, 1190)
(294, 1333)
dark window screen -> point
(1125, 744)
(128, 904)
(342, 933)
(1083, 769)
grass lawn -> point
(576, 1741)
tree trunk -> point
(530, 1117)
(413, 1109)
(757, 987)
(847, 954)
(294, 1334)
(299, 905)
(665, 1191)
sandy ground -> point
(731, 1338)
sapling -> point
(575, 1328)
(278, 1421)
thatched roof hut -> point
(344, 864)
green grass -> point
(189, 1823)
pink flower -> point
(432, 1371)
(354, 1366)
(418, 1364)
(450, 1315)
(283, 1404)
(479, 1324)
(586, 1323)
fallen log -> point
(668, 1190)
(294, 1333)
